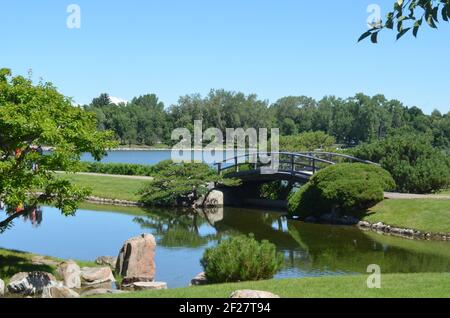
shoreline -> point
(407, 233)
(379, 228)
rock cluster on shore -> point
(135, 264)
(403, 232)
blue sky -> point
(176, 47)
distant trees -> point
(414, 164)
(309, 141)
(142, 121)
(351, 121)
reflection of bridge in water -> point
(298, 166)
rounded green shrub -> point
(347, 188)
(241, 258)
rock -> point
(96, 275)
(2, 288)
(200, 279)
(252, 294)
(59, 292)
(31, 283)
(145, 286)
(100, 291)
(215, 198)
(107, 260)
(364, 224)
(70, 272)
(136, 259)
(42, 260)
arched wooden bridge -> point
(294, 166)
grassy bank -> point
(121, 188)
(426, 215)
(13, 262)
(393, 285)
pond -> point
(182, 237)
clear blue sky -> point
(176, 47)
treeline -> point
(362, 118)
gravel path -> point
(390, 195)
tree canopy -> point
(361, 118)
(409, 16)
(31, 117)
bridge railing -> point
(303, 162)
(292, 162)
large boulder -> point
(215, 198)
(31, 283)
(139, 286)
(106, 261)
(247, 293)
(70, 272)
(136, 259)
(96, 275)
(59, 292)
(200, 279)
(2, 288)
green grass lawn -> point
(425, 215)
(392, 285)
(13, 262)
(446, 192)
(109, 187)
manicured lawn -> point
(392, 285)
(425, 215)
(13, 262)
(109, 187)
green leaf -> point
(365, 35)
(444, 13)
(416, 27)
(402, 33)
(374, 37)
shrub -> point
(124, 169)
(241, 258)
(412, 161)
(180, 184)
(347, 188)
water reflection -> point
(182, 236)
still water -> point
(152, 157)
(182, 237)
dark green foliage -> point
(180, 184)
(276, 190)
(414, 164)
(409, 16)
(346, 188)
(241, 258)
(124, 169)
